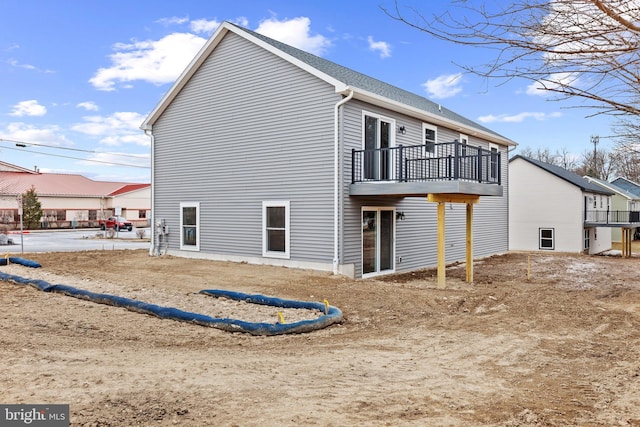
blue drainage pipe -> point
(331, 314)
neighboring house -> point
(625, 207)
(627, 185)
(71, 200)
(266, 154)
(552, 209)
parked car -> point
(116, 222)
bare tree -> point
(585, 49)
(562, 157)
(597, 164)
(627, 163)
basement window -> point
(546, 238)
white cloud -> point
(46, 135)
(204, 26)
(242, 21)
(541, 87)
(517, 118)
(294, 32)
(88, 105)
(155, 61)
(28, 108)
(383, 48)
(173, 20)
(444, 86)
(117, 129)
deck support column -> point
(469, 242)
(441, 199)
(627, 238)
(442, 269)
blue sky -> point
(77, 78)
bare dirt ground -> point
(562, 348)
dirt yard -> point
(560, 349)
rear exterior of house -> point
(624, 206)
(258, 156)
(551, 209)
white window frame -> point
(195, 247)
(392, 135)
(426, 126)
(287, 236)
(587, 239)
(492, 147)
(552, 238)
(379, 272)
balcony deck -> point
(450, 168)
(622, 219)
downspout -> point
(336, 181)
(152, 228)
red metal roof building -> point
(70, 200)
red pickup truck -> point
(116, 222)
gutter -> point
(336, 181)
(152, 228)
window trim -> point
(552, 239)
(287, 223)
(379, 272)
(434, 128)
(392, 138)
(195, 247)
(493, 173)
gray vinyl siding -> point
(248, 127)
(416, 235)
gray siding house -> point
(264, 153)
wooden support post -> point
(442, 270)
(626, 242)
(469, 242)
(441, 199)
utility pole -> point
(595, 139)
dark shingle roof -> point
(628, 185)
(613, 187)
(361, 81)
(566, 175)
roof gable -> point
(628, 185)
(570, 177)
(8, 167)
(61, 185)
(342, 78)
(609, 186)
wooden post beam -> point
(469, 242)
(441, 199)
(442, 270)
(453, 198)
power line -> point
(23, 144)
(80, 158)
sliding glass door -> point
(378, 240)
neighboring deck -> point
(450, 168)
(622, 219)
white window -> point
(190, 226)
(275, 229)
(430, 133)
(546, 238)
(378, 240)
(464, 141)
(493, 167)
(377, 140)
(587, 242)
